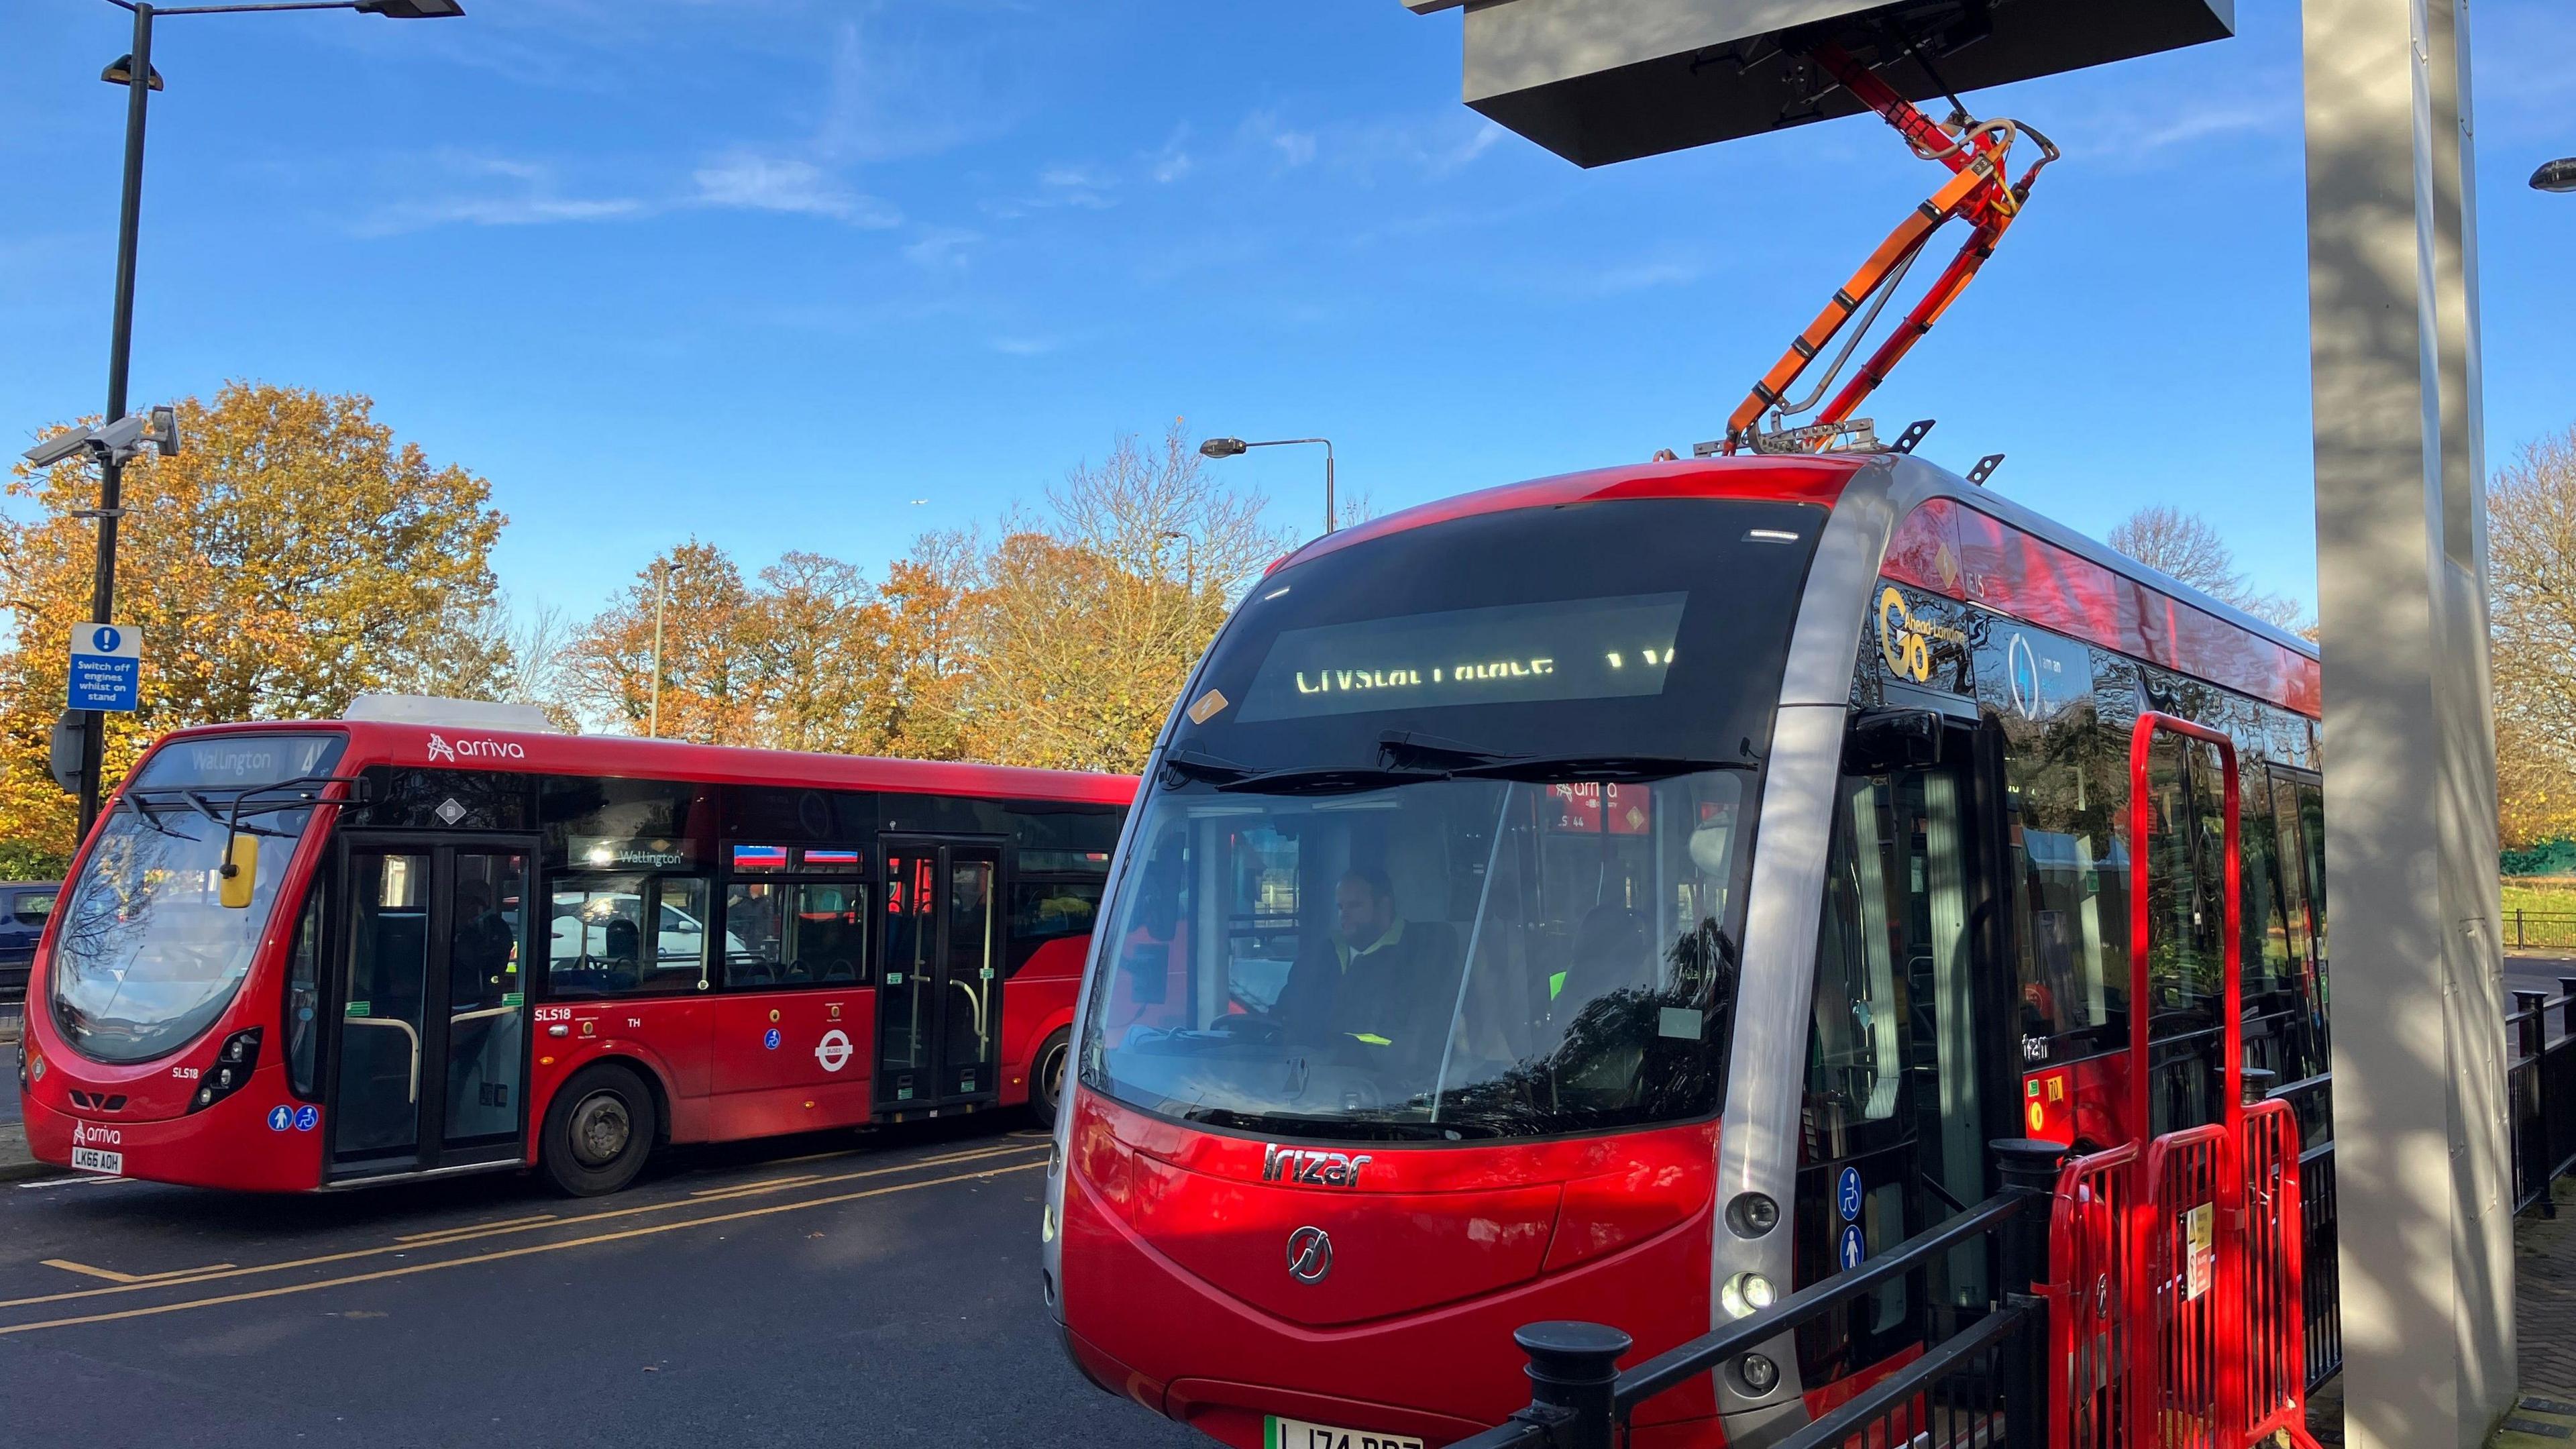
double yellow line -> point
(521, 1225)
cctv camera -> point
(165, 431)
(121, 439)
(58, 447)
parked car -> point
(24, 908)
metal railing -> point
(1985, 1384)
(2540, 1092)
(2541, 928)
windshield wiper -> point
(1193, 765)
(1410, 748)
(1541, 769)
(235, 825)
(130, 803)
(1330, 779)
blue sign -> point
(1855, 1249)
(280, 1117)
(771, 1041)
(306, 1116)
(1847, 1194)
(106, 668)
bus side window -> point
(1854, 1059)
(304, 999)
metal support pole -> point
(2422, 1144)
(1574, 1367)
(661, 591)
(120, 347)
(1332, 515)
(2027, 1165)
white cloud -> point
(1172, 162)
(895, 95)
(941, 248)
(1262, 129)
(1026, 346)
(754, 182)
(532, 198)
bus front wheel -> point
(599, 1130)
(1046, 1083)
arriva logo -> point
(464, 749)
(84, 1135)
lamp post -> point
(1231, 447)
(2558, 175)
(661, 592)
(1189, 559)
(134, 71)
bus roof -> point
(375, 742)
(2194, 639)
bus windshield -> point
(1451, 842)
(1460, 958)
(146, 955)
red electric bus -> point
(315, 955)
(1632, 896)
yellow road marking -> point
(113, 1276)
(746, 1189)
(533, 1248)
(489, 1230)
(465, 1228)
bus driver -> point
(1374, 982)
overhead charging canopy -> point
(1599, 82)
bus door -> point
(1898, 1093)
(939, 987)
(430, 1045)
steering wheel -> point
(1249, 1028)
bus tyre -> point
(1046, 1078)
(598, 1131)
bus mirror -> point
(1892, 739)
(240, 873)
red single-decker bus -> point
(309, 955)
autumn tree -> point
(294, 556)
(1060, 642)
(1089, 623)
(708, 690)
(2531, 552)
(2187, 548)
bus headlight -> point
(1746, 1294)
(1752, 1214)
(1758, 1374)
(234, 1061)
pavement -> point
(807, 1291)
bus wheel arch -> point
(604, 1121)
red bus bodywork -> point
(1169, 1241)
(703, 1054)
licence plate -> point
(92, 1159)
(1279, 1433)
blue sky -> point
(767, 271)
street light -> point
(1233, 447)
(2558, 175)
(1189, 556)
(134, 71)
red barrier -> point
(2276, 1394)
(2188, 1387)
(2088, 1303)
(2175, 1307)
